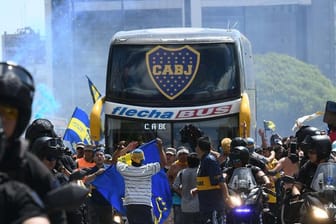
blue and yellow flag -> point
(269, 126)
(93, 90)
(111, 185)
(78, 128)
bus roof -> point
(177, 36)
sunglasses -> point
(8, 112)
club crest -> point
(172, 69)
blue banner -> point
(111, 185)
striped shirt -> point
(138, 182)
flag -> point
(269, 126)
(111, 185)
(95, 94)
(78, 128)
(301, 120)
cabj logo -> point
(172, 69)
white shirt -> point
(138, 182)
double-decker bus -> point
(175, 83)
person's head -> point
(137, 157)
(99, 156)
(192, 160)
(16, 98)
(48, 150)
(250, 144)
(182, 153)
(238, 141)
(203, 146)
(275, 139)
(39, 128)
(318, 147)
(303, 132)
(225, 144)
(88, 152)
(170, 155)
(80, 149)
(267, 151)
(239, 156)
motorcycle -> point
(247, 197)
(319, 205)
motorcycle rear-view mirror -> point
(66, 197)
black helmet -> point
(320, 144)
(39, 128)
(240, 154)
(48, 146)
(238, 141)
(304, 131)
(17, 90)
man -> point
(18, 203)
(138, 182)
(177, 166)
(183, 184)
(100, 210)
(79, 150)
(87, 160)
(211, 188)
(16, 97)
(171, 157)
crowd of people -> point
(32, 168)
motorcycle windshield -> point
(242, 179)
(325, 177)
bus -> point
(177, 84)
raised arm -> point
(163, 159)
(120, 152)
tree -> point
(288, 89)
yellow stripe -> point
(80, 128)
(204, 184)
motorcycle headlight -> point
(319, 213)
(117, 219)
(236, 201)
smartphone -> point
(293, 147)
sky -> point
(15, 14)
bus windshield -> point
(138, 75)
(175, 133)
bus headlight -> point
(319, 213)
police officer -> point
(16, 97)
(18, 203)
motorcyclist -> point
(42, 127)
(300, 135)
(240, 157)
(48, 150)
(318, 148)
(18, 203)
(16, 97)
